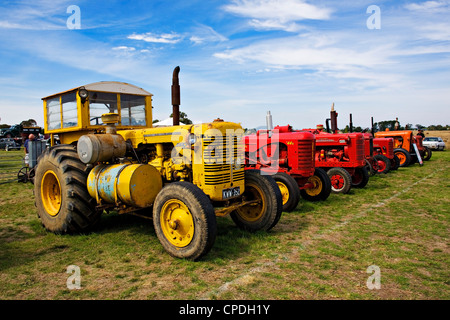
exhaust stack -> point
(269, 123)
(176, 97)
(333, 117)
(351, 123)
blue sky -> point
(238, 58)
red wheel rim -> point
(337, 181)
(381, 166)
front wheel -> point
(360, 178)
(384, 164)
(341, 180)
(184, 220)
(395, 163)
(290, 193)
(267, 205)
(427, 154)
(320, 187)
(404, 157)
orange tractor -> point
(407, 147)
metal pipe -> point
(269, 123)
(176, 97)
(351, 123)
(333, 117)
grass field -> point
(398, 223)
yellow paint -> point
(177, 223)
(51, 193)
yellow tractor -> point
(111, 158)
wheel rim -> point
(177, 223)
(284, 191)
(401, 157)
(253, 212)
(51, 193)
(337, 181)
(317, 186)
(381, 165)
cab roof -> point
(108, 86)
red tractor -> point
(341, 155)
(289, 157)
(376, 161)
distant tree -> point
(155, 121)
(29, 123)
(419, 126)
(183, 118)
(387, 124)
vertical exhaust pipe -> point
(373, 128)
(176, 97)
(351, 123)
(333, 117)
(269, 123)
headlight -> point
(83, 93)
(192, 139)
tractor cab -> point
(78, 111)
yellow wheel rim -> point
(318, 186)
(177, 223)
(254, 211)
(284, 191)
(51, 193)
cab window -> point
(132, 109)
(69, 109)
(101, 103)
(53, 114)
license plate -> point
(231, 193)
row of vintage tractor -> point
(111, 158)
(312, 163)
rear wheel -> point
(184, 220)
(384, 164)
(403, 156)
(341, 180)
(321, 187)
(266, 211)
(62, 199)
(360, 178)
(290, 192)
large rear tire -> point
(341, 180)
(290, 192)
(321, 187)
(264, 214)
(184, 220)
(61, 196)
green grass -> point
(399, 222)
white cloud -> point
(429, 6)
(277, 14)
(206, 34)
(150, 37)
(124, 48)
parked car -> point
(9, 144)
(435, 143)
